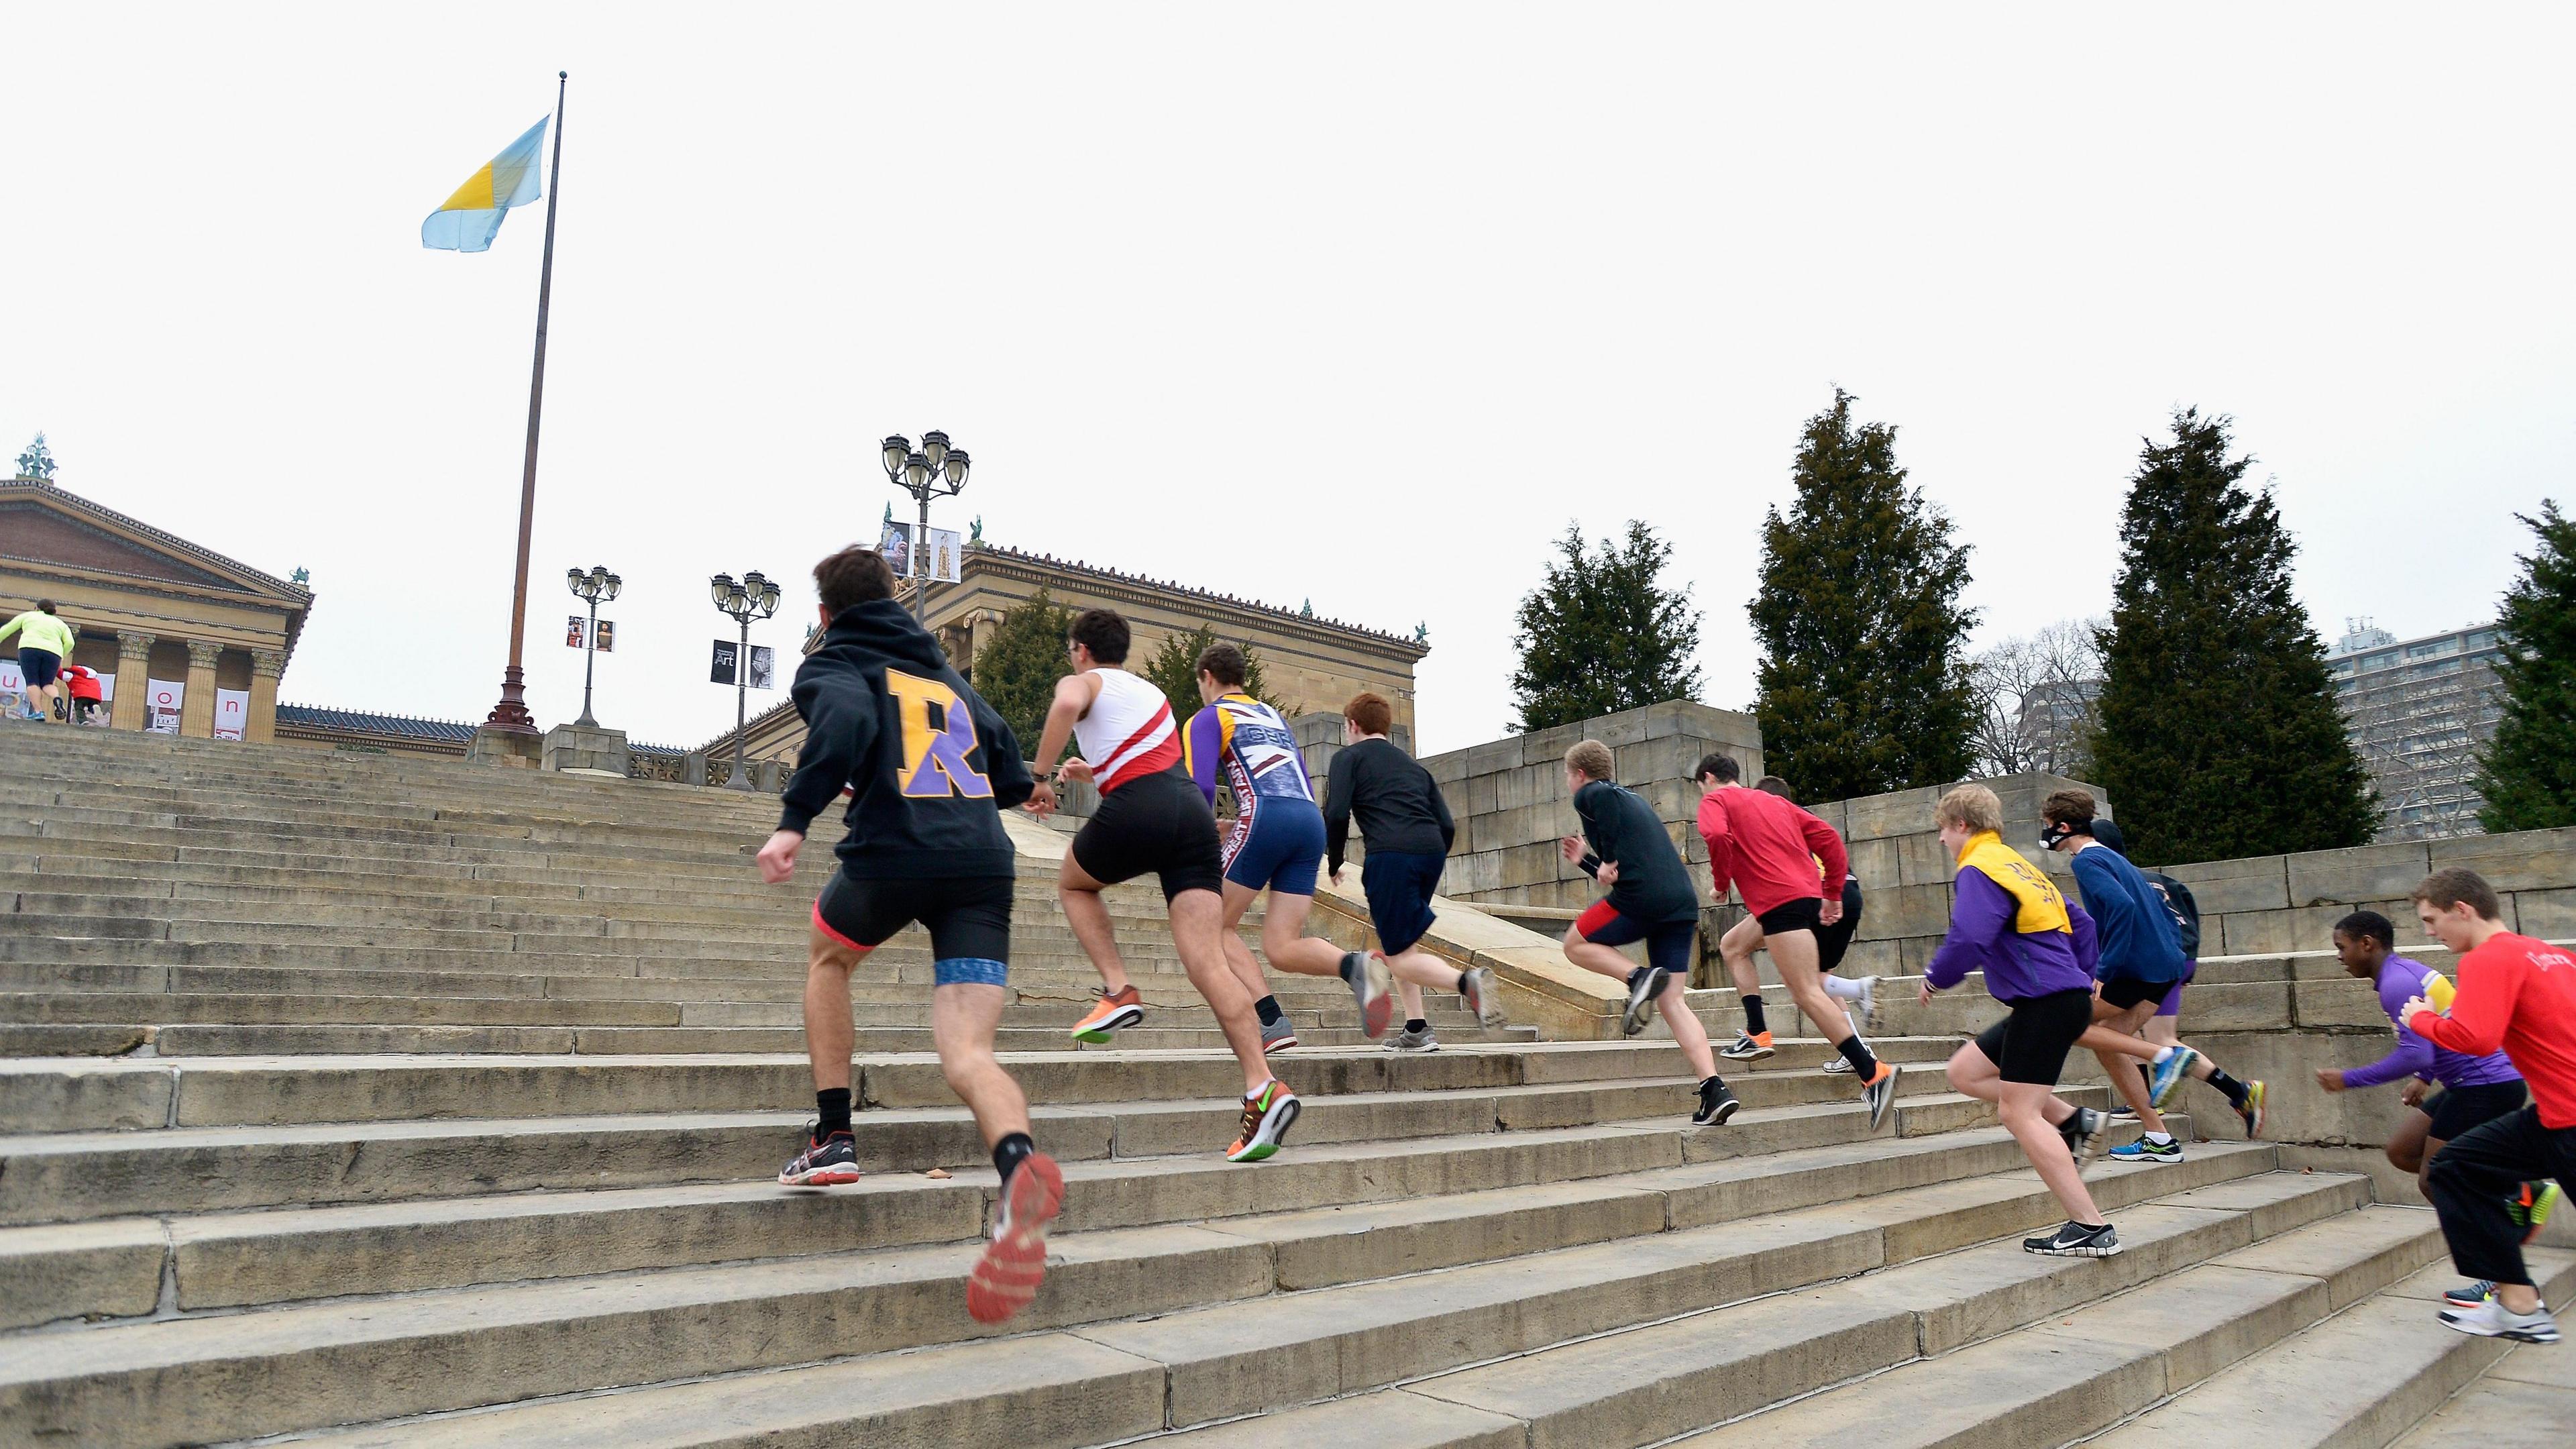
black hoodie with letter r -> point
(929, 765)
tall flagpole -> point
(511, 714)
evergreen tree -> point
(1600, 634)
(1864, 684)
(1174, 669)
(2528, 771)
(2220, 735)
(1020, 662)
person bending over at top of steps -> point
(2475, 1090)
(2516, 995)
(2139, 963)
(1276, 843)
(1769, 850)
(1150, 819)
(1409, 832)
(1833, 938)
(1651, 899)
(2037, 951)
(929, 767)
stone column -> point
(265, 666)
(197, 706)
(133, 665)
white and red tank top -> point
(1128, 732)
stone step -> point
(226, 1260)
(1286, 1348)
(2525, 1401)
(57, 1007)
(1068, 980)
(2358, 1378)
(118, 1039)
(256, 813)
(72, 1176)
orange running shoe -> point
(1123, 1007)
(1014, 1263)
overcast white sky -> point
(1357, 303)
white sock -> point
(1847, 990)
(2162, 1053)
(2160, 1138)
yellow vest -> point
(2041, 907)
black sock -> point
(1268, 1006)
(1010, 1152)
(2234, 1089)
(1346, 967)
(832, 1105)
(1856, 1052)
(1416, 1024)
(1753, 1023)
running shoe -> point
(1716, 1104)
(1476, 984)
(2083, 1133)
(2250, 1111)
(2470, 1294)
(1880, 1094)
(2166, 1077)
(2492, 1319)
(2074, 1240)
(1644, 985)
(1836, 1064)
(2153, 1154)
(1278, 1035)
(1748, 1047)
(1868, 999)
(826, 1161)
(1014, 1263)
(1373, 989)
(1123, 1008)
(2124, 1113)
(1410, 1040)
(1267, 1116)
(2532, 1209)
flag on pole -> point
(472, 217)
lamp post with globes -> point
(595, 588)
(756, 597)
(934, 470)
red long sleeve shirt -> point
(1768, 848)
(2518, 995)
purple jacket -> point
(1981, 936)
(2401, 979)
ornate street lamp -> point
(756, 597)
(595, 588)
(934, 470)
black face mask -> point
(2053, 834)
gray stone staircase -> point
(365, 1101)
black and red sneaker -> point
(826, 1161)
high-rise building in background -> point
(2419, 711)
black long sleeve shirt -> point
(1397, 802)
(1654, 885)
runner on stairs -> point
(1150, 819)
(929, 767)
(1276, 843)
(2036, 950)
(1650, 899)
(1834, 938)
(2165, 1027)
(1409, 832)
(1769, 850)
(2138, 964)
(2475, 1090)
(2517, 995)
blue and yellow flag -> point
(472, 217)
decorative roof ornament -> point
(889, 513)
(975, 530)
(301, 578)
(1422, 632)
(1306, 610)
(37, 462)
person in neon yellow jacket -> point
(44, 642)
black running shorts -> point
(2031, 1044)
(968, 917)
(1157, 823)
(2458, 1110)
(1668, 943)
(1806, 913)
(1835, 940)
(2127, 991)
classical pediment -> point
(42, 524)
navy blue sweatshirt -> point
(929, 765)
